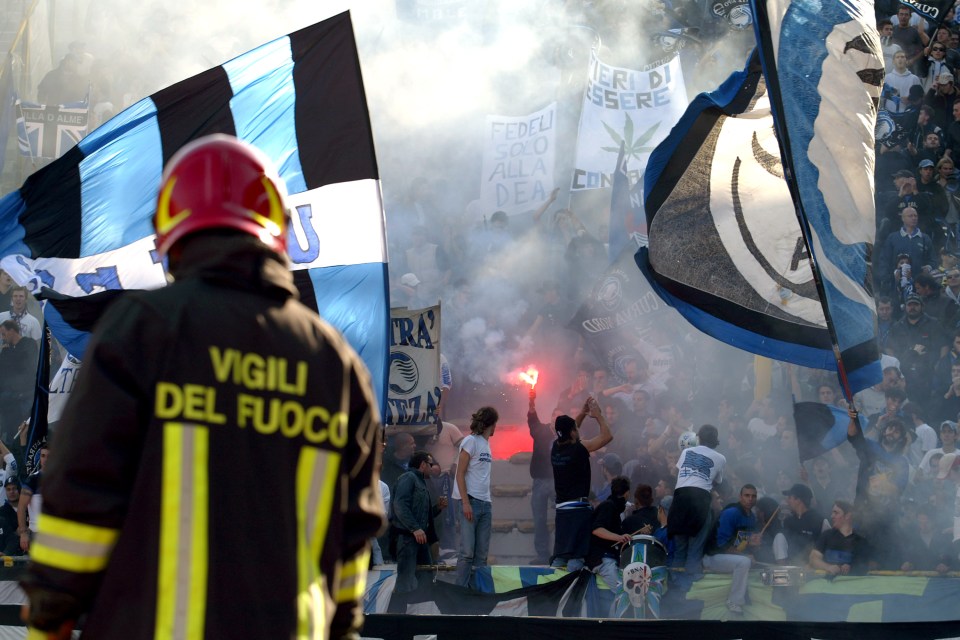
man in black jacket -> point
(18, 367)
(804, 524)
(184, 391)
(607, 533)
(9, 540)
(412, 520)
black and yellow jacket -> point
(214, 474)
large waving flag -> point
(824, 68)
(725, 246)
(79, 230)
(745, 206)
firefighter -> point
(214, 475)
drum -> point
(644, 565)
(783, 576)
(645, 549)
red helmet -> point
(220, 182)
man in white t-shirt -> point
(690, 520)
(471, 494)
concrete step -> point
(511, 548)
(515, 470)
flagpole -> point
(786, 157)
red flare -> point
(530, 376)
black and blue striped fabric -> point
(79, 229)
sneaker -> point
(735, 609)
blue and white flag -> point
(742, 204)
(820, 428)
(49, 131)
(79, 230)
(824, 70)
(725, 245)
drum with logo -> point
(645, 549)
(644, 579)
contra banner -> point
(629, 107)
(518, 161)
(414, 382)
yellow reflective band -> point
(351, 589)
(66, 560)
(317, 472)
(356, 565)
(353, 578)
(184, 516)
(77, 531)
(73, 546)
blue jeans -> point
(474, 538)
(409, 554)
(540, 498)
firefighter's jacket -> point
(214, 472)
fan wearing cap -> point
(941, 96)
(148, 493)
(919, 341)
(927, 171)
(803, 526)
(405, 292)
(570, 458)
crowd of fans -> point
(884, 499)
(508, 288)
